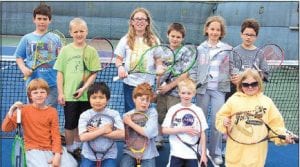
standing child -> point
(75, 60)
(41, 128)
(249, 98)
(39, 42)
(181, 155)
(167, 84)
(130, 48)
(142, 96)
(211, 95)
(247, 50)
(99, 95)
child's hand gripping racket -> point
(223, 65)
(185, 59)
(248, 129)
(46, 50)
(156, 60)
(18, 157)
(100, 145)
(136, 142)
(188, 119)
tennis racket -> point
(105, 50)
(248, 129)
(136, 142)
(18, 157)
(223, 64)
(144, 63)
(185, 59)
(46, 50)
(272, 54)
(100, 145)
(186, 117)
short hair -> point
(77, 21)
(250, 73)
(99, 87)
(43, 9)
(250, 23)
(218, 19)
(176, 27)
(143, 89)
(188, 83)
(35, 84)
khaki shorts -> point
(164, 102)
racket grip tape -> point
(116, 78)
(78, 87)
(296, 139)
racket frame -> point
(103, 153)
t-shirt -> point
(177, 148)
(36, 49)
(82, 127)
(131, 58)
(70, 63)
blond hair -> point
(149, 35)
(187, 83)
(250, 73)
(218, 19)
(77, 21)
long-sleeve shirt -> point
(40, 126)
(239, 155)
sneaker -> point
(218, 160)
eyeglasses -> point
(250, 35)
(247, 85)
(139, 19)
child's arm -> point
(119, 132)
(176, 130)
(10, 121)
(60, 90)
(86, 85)
(55, 160)
(94, 132)
(167, 87)
(25, 70)
(55, 134)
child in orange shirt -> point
(38, 119)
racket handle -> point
(25, 78)
(18, 115)
(116, 78)
(296, 139)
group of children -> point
(40, 121)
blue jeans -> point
(52, 97)
(105, 163)
(128, 161)
(129, 104)
(179, 162)
(213, 99)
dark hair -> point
(250, 23)
(43, 9)
(177, 27)
(99, 87)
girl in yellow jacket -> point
(250, 99)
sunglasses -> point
(252, 84)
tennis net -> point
(283, 88)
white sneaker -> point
(218, 160)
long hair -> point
(149, 36)
(218, 19)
